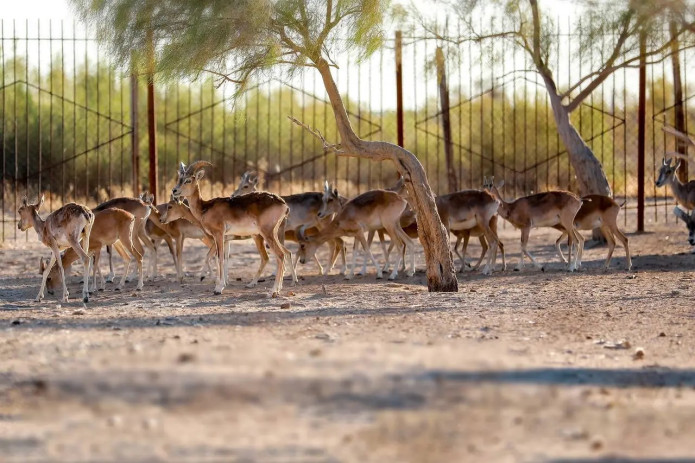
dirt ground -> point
(520, 366)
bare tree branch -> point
(327, 147)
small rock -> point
(186, 357)
(79, 312)
(662, 335)
(291, 293)
(16, 322)
(115, 421)
(639, 354)
(315, 352)
(285, 305)
(596, 444)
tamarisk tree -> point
(239, 40)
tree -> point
(623, 21)
(237, 41)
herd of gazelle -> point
(312, 219)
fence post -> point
(679, 110)
(134, 123)
(151, 119)
(641, 132)
(446, 120)
(399, 87)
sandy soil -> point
(520, 366)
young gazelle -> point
(549, 209)
(141, 211)
(61, 229)
(372, 210)
(684, 193)
(111, 227)
(258, 214)
(307, 210)
(598, 211)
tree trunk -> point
(678, 108)
(441, 274)
(590, 175)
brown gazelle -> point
(684, 193)
(548, 209)
(479, 232)
(258, 214)
(307, 210)
(598, 211)
(372, 210)
(689, 219)
(141, 211)
(111, 227)
(61, 229)
(468, 210)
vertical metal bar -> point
(163, 175)
(399, 88)
(38, 40)
(178, 122)
(470, 112)
(122, 120)
(663, 135)
(446, 120)
(492, 100)
(678, 108)
(460, 108)
(152, 120)
(98, 120)
(302, 136)
(86, 114)
(74, 109)
(14, 114)
(135, 123)
(267, 135)
(655, 194)
(26, 110)
(4, 117)
(224, 134)
(62, 109)
(190, 121)
(110, 132)
(641, 130)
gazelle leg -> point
(120, 249)
(525, 232)
(219, 245)
(46, 272)
(260, 246)
(385, 251)
(459, 238)
(623, 239)
(484, 246)
(557, 246)
(490, 236)
(111, 275)
(610, 240)
(363, 242)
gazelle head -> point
(667, 171)
(148, 198)
(689, 220)
(188, 178)
(307, 247)
(248, 183)
(173, 211)
(331, 201)
(26, 213)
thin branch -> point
(327, 147)
(225, 77)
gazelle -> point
(183, 224)
(549, 209)
(372, 210)
(111, 227)
(141, 211)
(307, 210)
(479, 232)
(257, 214)
(684, 193)
(598, 211)
(61, 229)
(689, 219)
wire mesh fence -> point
(67, 120)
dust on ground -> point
(519, 366)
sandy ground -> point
(520, 366)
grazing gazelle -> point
(61, 229)
(111, 227)
(549, 209)
(258, 214)
(372, 210)
(307, 210)
(598, 211)
(684, 193)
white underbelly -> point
(546, 222)
(464, 224)
(245, 228)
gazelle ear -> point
(38, 206)
(200, 174)
(678, 164)
(326, 187)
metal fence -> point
(67, 121)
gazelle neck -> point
(195, 202)
(39, 223)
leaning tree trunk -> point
(441, 274)
(590, 175)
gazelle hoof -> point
(38, 299)
(117, 288)
(251, 285)
(379, 276)
(393, 276)
(542, 269)
(85, 299)
(348, 276)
